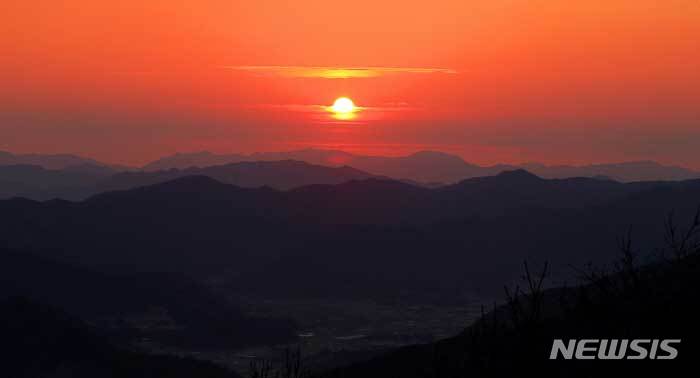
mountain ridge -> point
(39, 183)
(433, 166)
(351, 232)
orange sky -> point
(494, 81)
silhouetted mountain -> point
(430, 167)
(193, 159)
(76, 183)
(423, 167)
(41, 341)
(55, 161)
(281, 175)
(282, 170)
(35, 182)
(426, 167)
(351, 236)
(181, 311)
(624, 172)
(521, 189)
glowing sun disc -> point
(343, 105)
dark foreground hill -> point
(166, 307)
(40, 341)
(647, 303)
(362, 238)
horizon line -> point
(517, 165)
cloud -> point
(338, 72)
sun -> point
(343, 109)
(343, 105)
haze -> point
(571, 82)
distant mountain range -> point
(282, 175)
(431, 167)
(34, 182)
(60, 162)
(43, 177)
(426, 167)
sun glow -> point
(343, 108)
(343, 105)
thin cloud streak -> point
(339, 72)
(325, 114)
(317, 108)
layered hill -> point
(373, 236)
(35, 182)
(432, 167)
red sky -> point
(574, 81)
